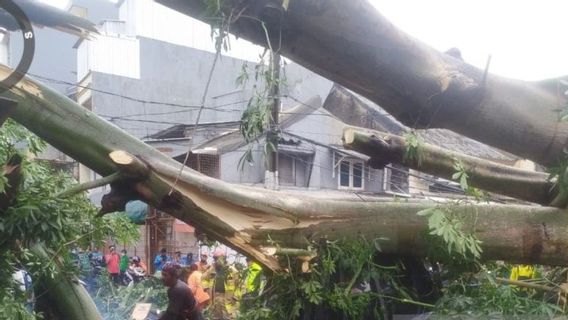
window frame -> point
(388, 183)
(352, 163)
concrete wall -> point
(170, 74)
(149, 19)
(173, 74)
(325, 129)
(231, 172)
(110, 54)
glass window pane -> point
(344, 174)
(357, 175)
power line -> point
(217, 108)
(193, 107)
(140, 100)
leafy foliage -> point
(460, 175)
(117, 303)
(447, 226)
(559, 176)
(479, 296)
(413, 152)
(257, 116)
(219, 24)
(37, 217)
(335, 283)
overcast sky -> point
(526, 38)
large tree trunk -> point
(352, 44)
(63, 294)
(252, 220)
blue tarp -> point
(136, 211)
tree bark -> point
(251, 219)
(490, 176)
(418, 85)
(65, 296)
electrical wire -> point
(217, 108)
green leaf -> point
(463, 181)
(426, 212)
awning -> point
(299, 150)
(350, 153)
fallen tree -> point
(418, 85)
(385, 148)
(261, 223)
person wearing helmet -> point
(138, 267)
(181, 302)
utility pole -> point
(271, 174)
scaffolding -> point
(159, 234)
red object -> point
(182, 227)
(112, 261)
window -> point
(293, 170)
(396, 179)
(351, 173)
(208, 164)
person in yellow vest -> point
(523, 272)
(252, 281)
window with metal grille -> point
(396, 179)
(208, 164)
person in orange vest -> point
(194, 283)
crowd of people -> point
(121, 268)
(163, 258)
(218, 287)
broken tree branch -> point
(384, 148)
(528, 285)
(88, 185)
